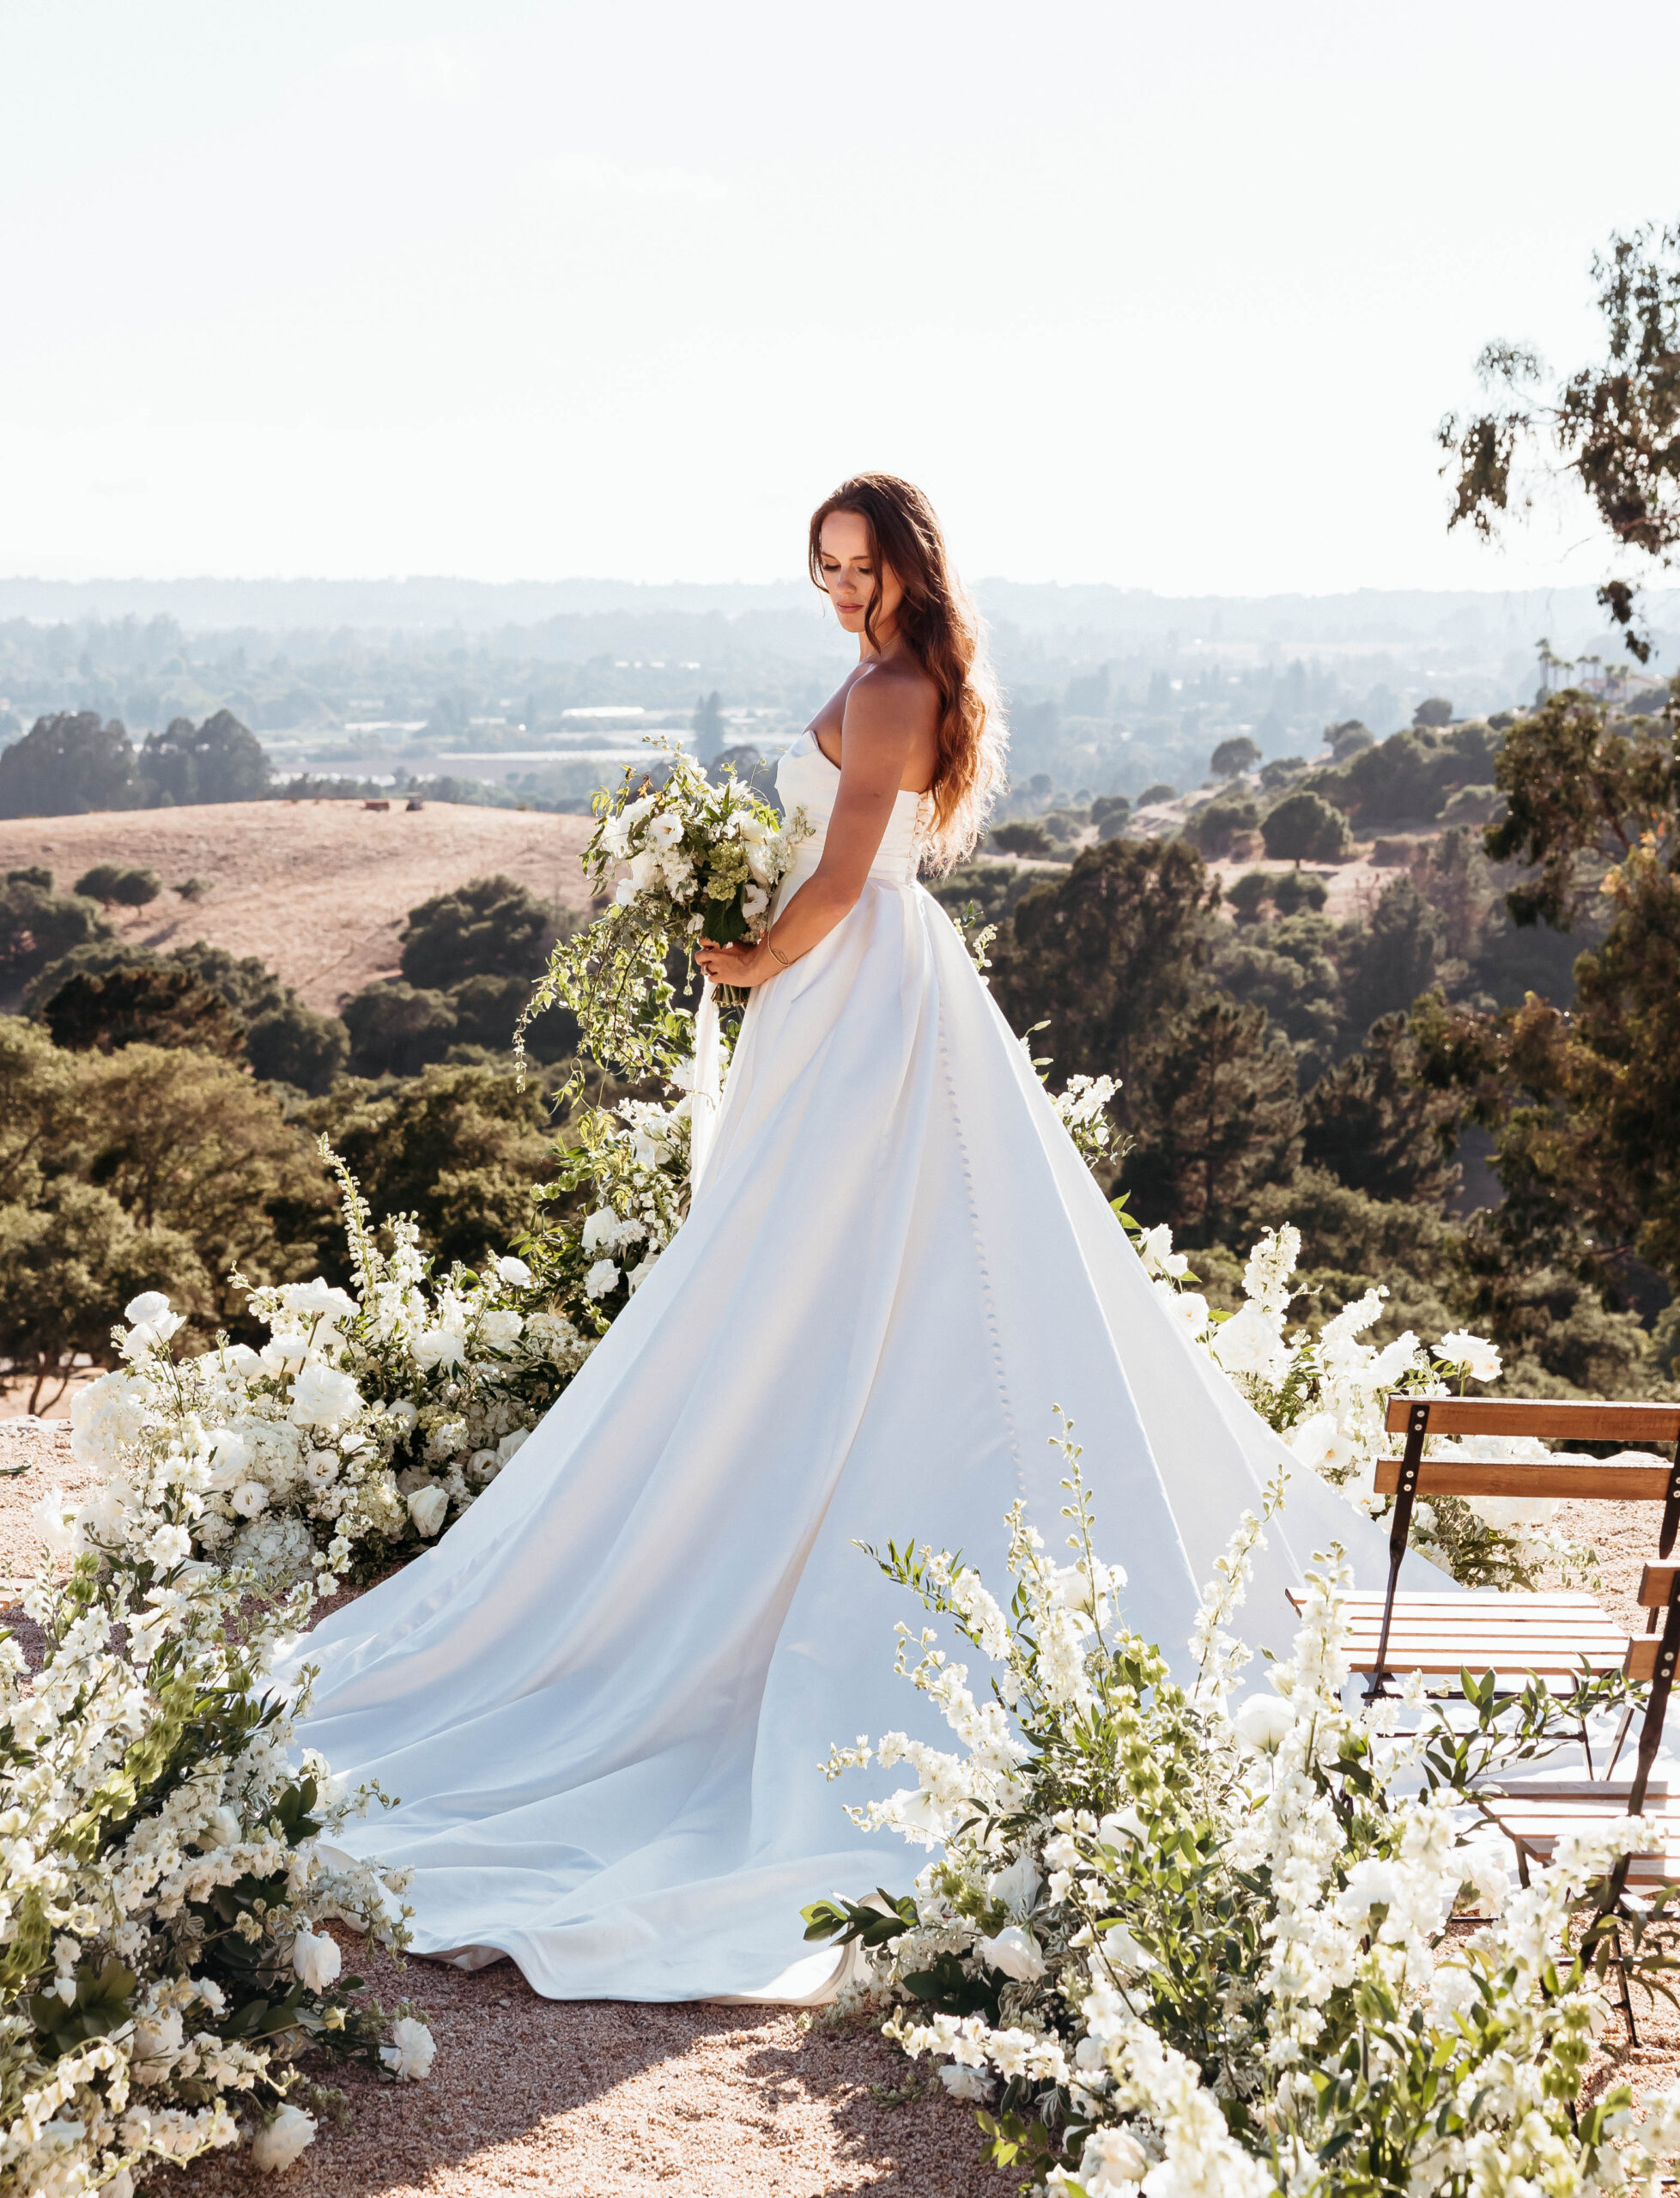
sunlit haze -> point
(1167, 298)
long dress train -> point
(605, 1695)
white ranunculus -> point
(1015, 1952)
(321, 1467)
(278, 2142)
(512, 1271)
(1263, 1723)
(145, 1309)
(601, 1277)
(409, 2055)
(322, 1395)
(427, 1507)
(250, 1499)
(1480, 1358)
(316, 1960)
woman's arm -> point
(887, 715)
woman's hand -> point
(743, 967)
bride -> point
(605, 1696)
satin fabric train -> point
(605, 1696)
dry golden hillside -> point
(317, 889)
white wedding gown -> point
(604, 1696)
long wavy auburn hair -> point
(941, 628)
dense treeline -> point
(1506, 1001)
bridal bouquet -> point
(703, 858)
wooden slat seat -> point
(1535, 1817)
(1552, 1634)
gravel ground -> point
(607, 2100)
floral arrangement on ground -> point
(164, 1960)
(1173, 1944)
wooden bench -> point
(1551, 1634)
(1538, 1814)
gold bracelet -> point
(786, 960)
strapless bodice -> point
(806, 779)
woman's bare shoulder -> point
(896, 696)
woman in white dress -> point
(605, 1696)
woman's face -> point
(848, 574)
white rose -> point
(322, 1395)
(409, 2055)
(1017, 1886)
(1157, 1252)
(500, 1330)
(56, 1521)
(1479, 1358)
(512, 1271)
(427, 1507)
(1124, 1951)
(145, 1309)
(1015, 1952)
(601, 1277)
(316, 1959)
(250, 1498)
(1113, 2163)
(1263, 1723)
(1250, 1342)
(439, 1347)
(752, 828)
(278, 2143)
(1121, 1823)
(158, 2038)
(221, 1828)
(965, 2083)
(601, 1229)
(511, 1443)
(169, 1547)
(317, 1300)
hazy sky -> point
(1168, 296)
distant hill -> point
(1367, 617)
(317, 889)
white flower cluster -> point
(163, 1892)
(698, 856)
(1178, 1949)
(1326, 1393)
(360, 1425)
(1083, 1108)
